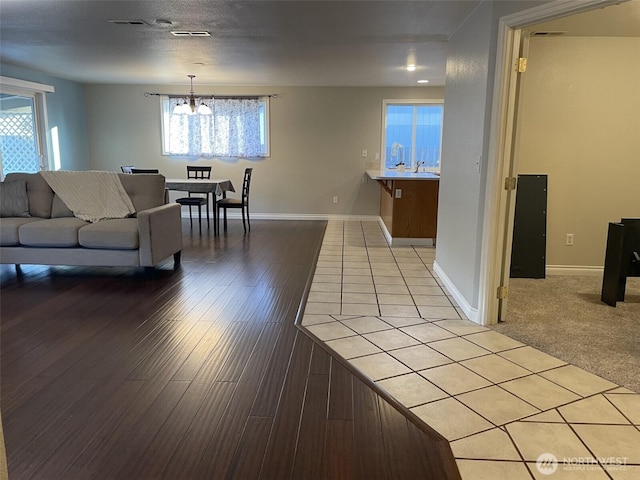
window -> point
(412, 133)
(23, 145)
(220, 127)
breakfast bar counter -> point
(408, 205)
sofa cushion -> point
(53, 232)
(13, 199)
(9, 229)
(117, 233)
(145, 191)
(59, 208)
(39, 193)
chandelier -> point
(189, 106)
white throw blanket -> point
(91, 196)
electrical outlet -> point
(568, 239)
(335, 199)
(364, 153)
(398, 193)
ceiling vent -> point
(547, 34)
(128, 22)
(187, 33)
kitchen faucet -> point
(421, 162)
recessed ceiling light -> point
(186, 33)
(411, 67)
(423, 81)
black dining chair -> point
(145, 170)
(241, 203)
(126, 168)
(197, 172)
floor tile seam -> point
(584, 443)
(513, 444)
(493, 424)
(637, 425)
(568, 424)
(516, 447)
(498, 460)
(518, 450)
(470, 435)
(498, 424)
(573, 391)
(630, 424)
(500, 385)
(601, 424)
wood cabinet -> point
(409, 208)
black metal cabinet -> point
(529, 247)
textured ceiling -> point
(251, 43)
(320, 43)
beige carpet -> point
(564, 317)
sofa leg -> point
(176, 258)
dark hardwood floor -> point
(198, 373)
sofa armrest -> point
(160, 233)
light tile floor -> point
(509, 411)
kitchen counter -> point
(408, 205)
(406, 175)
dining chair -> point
(241, 203)
(197, 172)
(145, 170)
(126, 168)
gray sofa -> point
(50, 234)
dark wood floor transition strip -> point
(197, 373)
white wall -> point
(459, 217)
(317, 138)
(579, 123)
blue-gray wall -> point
(66, 110)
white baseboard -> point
(469, 311)
(577, 270)
(403, 242)
(311, 216)
(293, 216)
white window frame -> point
(266, 123)
(36, 91)
(415, 102)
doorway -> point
(499, 205)
(565, 315)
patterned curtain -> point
(219, 127)
(237, 128)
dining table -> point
(216, 187)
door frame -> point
(497, 228)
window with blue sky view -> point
(412, 135)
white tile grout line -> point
(366, 241)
